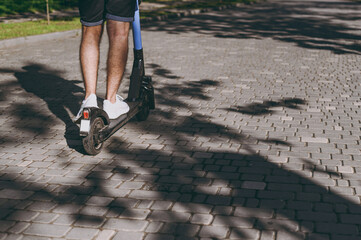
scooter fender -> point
(87, 118)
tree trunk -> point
(47, 12)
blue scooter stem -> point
(137, 37)
(137, 75)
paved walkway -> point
(256, 134)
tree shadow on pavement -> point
(311, 24)
(265, 107)
(244, 190)
(191, 177)
(59, 94)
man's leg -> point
(89, 57)
(118, 33)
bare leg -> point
(89, 57)
(118, 33)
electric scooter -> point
(95, 125)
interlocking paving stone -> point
(213, 231)
(47, 230)
(244, 234)
(169, 216)
(14, 236)
(153, 236)
(82, 233)
(126, 225)
(233, 221)
(337, 228)
(154, 227)
(202, 219)
(45, 218)
(18, 227)
(140, 214)
(105, 235)
(125, 235)
(255, 135)
(21, 215)
(14, 194)
(93, 211)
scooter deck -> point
(116, 124)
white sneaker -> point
(90, 101)
(114, 110)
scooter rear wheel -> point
(91, 143)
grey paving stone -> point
(213, 232)
(47, 230)
(336, 228)
(192, 207)
(18, 228)
(99, 201)
(41, 206)
(93, 211)
(166, 216)
(141, 194)
(154, 236)
(290, 235)
(233, 221)
(82, 233)
(86, 221)
(105, 235)
(317, 216)
(45, 218)
(140, 214)
(15, 194)
(244, 234)
(186, 229)
(154, 227)
(14, 236)
(265, 235)
(67, 209)
(161, 205)
(125, 235)
(126, 225)
(254, 185)
(273, 224)
(21, 215)
(201, 219)
(4, 225)
(36, 238)
(66, 220)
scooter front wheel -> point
(91, 143)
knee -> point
(117, 31)
(91, 34)
(118, 35)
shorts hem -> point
(91, 24)
(119, 19)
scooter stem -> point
(137, 37)
(138, 64)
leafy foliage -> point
(21, 6)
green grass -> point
(21, 6)
(13, 30)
